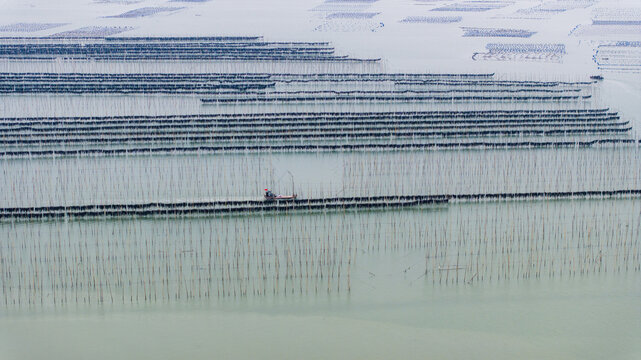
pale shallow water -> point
(393, 308)
(399, 303)
(592, 317)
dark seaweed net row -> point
(381, 76)
(113, 47)
(291, 118)
(267, 207)
(76, 131)
(129, 88)
(150, 78)
(259, 95)
(280, 77)
(207, 149)
(251, 135)
(528, 83)
(205, 126)
(213, 83)
(195, 57)
(141, 38)
(173, 49)
(240, 91)
(161, 49)
(295, 127)
(253, 206)
(393, 97)
(185, 38)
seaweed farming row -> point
(522, 52)
(491, 82)
(618, 56)
(315, 133)
(251, 131)
(494, 32)
(220, 119)
(55, 39)
(272, 76)
(135, 262)
(203, 83)
(130, 88)
(345, 123)
(281, 87)
(386, 97)
(341, 147)
(29, 27)
(146, 11)
(217, 208)
(290, 205)
(181, 49)
(472, 6)
(431, 19)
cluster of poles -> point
(163, 261)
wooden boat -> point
(270, 196)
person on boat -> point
(268, 194)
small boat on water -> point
(270, 196)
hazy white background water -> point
(595, 316)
